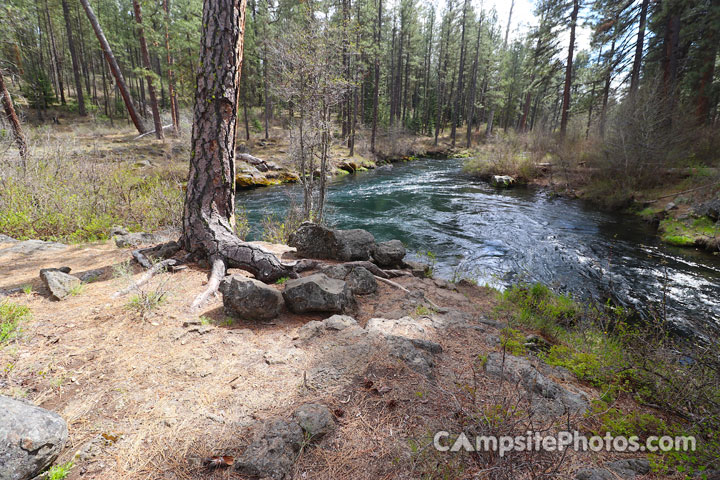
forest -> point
(359, 239)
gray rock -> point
(250, 299)
(6, 239)
(554, 399)
(389, 254)
(359, 279)
(316, 241)
(629, 467)
(59, 282)
(317, 293)
(418, 269)
(626, 468)
(31, 438)
(594, 474)
(417, 353)
(30, 247)
(502, 181)
(137, 239)
(710, 209)
(118, 230)
(273, 450)
(335, 323)
(670, 206)
(315, 420)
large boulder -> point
(317, 293)
(250, 299)
(389, 254)
(317, 241)
(710, 209)
(31, 438)
(359, 279)
(502, 181)
(59, 281)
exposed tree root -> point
(151, 272)
(391, 283)
(216, 275)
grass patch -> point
(641, 362)
(11, 316)
(59, 472)
(687, 233)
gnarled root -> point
(216, 275)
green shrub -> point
(11, 316)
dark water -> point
(500, 237)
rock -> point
(92, 275)
(626, 468)
(418, 269)
(273, 450)
(502, 181)
(629, 467)
(359, 279)
(315, 420)
(59, 282)
(283, 356)
(31, 438)
(710, 209)
(670, 206)
(317, 293)
(29, 247)
(417, 353)
(552, 399)
(250, 299)
(404, 327)
(118, 230)
(316, 241)
(137, 239)
(335, 323)
(389, 254)
(536, 343)
(6, 239)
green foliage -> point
(513, 341)
(59, 472)
(11, 316)
(277, 230)
(281, 280)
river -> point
(500, 237)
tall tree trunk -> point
(57, 64)
(507, 29)
(707, 68)
(473, 85)
(148, 68)
(171, 74)
(568, 70)
(75, 64)
(376, 87)
(639, 47)
(14, 122)
(461, 72)
(209, 211)
(608, 80)
(114, 67)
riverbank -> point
(155, 392)
(680, 200)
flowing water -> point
(501, 237)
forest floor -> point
(152, 396)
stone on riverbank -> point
(250, 299)
(316, 241)
(31, 438)
(389, 254)
(318, 293)
(359, 279)
(502, 181)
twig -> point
(165, 127)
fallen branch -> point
(680, 193)
(151, 272)
(165, 127)
(391, 283)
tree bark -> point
(146, 63)
(461, 71)
(171, 74)
(568, 70)
(114, 67)
(75, 64)
(376, 87)
(473, 85)
(639, 47)
(14, 122)
(209, 212)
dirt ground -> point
(150, 398)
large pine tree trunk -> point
(75, 64)
(13, 119)
(376, 83)
(209, 213)
(639, 47)
(146, 63)
(568, 70)
(114, 67)
(171, 73)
